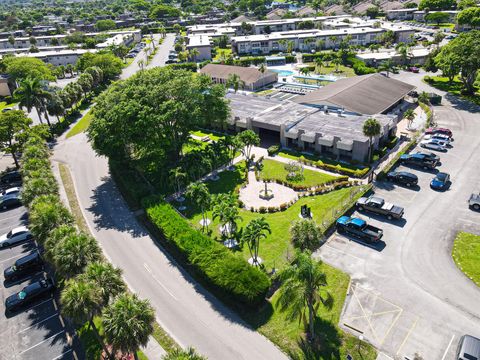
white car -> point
(439, 137)
(432, 145)
(10, 191)
(15, 237)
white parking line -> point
(41, 342)
(34, 306)
(10, 217)
(11, 258)
(59, 356)
(448, 347)
(163, 286)
(41, 321)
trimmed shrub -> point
(190, 66)
(272, 150)
(222, 269)
(290, 59)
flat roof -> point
(249, 75)
(198, 41)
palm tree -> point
(387, 66)
(193, 53)
(199, 194)
(74, 253)
(55, 106)
(371, 128)
(234, 81)
(402, 49)
(128, 323)
(11, 39)
(141, 64)
(180, 354)
(290, 46)
(333, 39)
(86, 83)
(318, 65)
(283, 44)
(262, 68)
(409, 114)
(32, 94)
(107, 278)
(177, 176)
(225, 209)
(337, 60)
(256, 230)
(320, 44)
(69, 69)
(302, 292)
(80, 301)
(305, 234)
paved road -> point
(409, 296)
(188, 312)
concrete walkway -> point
(153, 350)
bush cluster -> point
(338, 168)
(272, 150)
(359, 67)
(226, 272)
(190, 66)
(382, 174)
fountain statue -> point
(266, 194)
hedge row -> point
(382, 174)
(226, 272)
(190, 66)
(359, 66)
(338, 169)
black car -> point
(24, 266)
(10, 201)
(419, 159)
(29, 294)
(11, 177)
(403, 177)
(430, 155)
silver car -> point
(15, 237)
(433, 145)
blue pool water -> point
(282, 72)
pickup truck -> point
(474, 201)
(359, 228)
(378, 205)
(419, 159)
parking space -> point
(35, 332)
(406, 296)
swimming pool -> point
(282, 72)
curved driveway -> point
(188, 312)
(412, 296)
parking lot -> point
(37, 332)
(406, 296)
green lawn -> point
(343, 71)
(211, 135)
(454, 88)
(466, 254)
(294, 155)
(276, 170)
(288, 334)
(81, 125)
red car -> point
(444, 131)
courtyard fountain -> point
(266, 193)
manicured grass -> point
(211, 135)
(276, 170)
(165, 341)
(193, 144)
(466, 254)
(288, 334)
(81, 125)
(295, 155)
(454, 88)
(329, 69)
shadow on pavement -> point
(396, 222)
(461, 104)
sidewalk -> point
(153, 350)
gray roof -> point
(249, 75)
(367, 94)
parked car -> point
(414, 69)
(474, 201)
(11, 177)
(432, 145)
(15, 236)
(29, 294)
(430, 155)
(171, 61)
(418, 159)
(10, 191)
(468, 348)
(403, 178)
(24, 266)
(378, 205)
(444, 131)
(359, 228)
(10, 201)
(440, 181)
(439, 136)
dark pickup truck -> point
(419, 159)
(359, 228)
(378, 205)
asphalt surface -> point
(38, 331)
(407, 294)
(184, 309)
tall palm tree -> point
(128, 323)
(193, 53)
(283, 44)
(409, 114)
(31, 94)
(290, 46)
(80, 301)
(262, 68)
(318, 65)
(333, 39)
(74, 253)
(177, 177)
(107, 278)
(387, 66)
(255, 231)
(302, 290)
(337, 60)
(225, 209)
(234, 81)
(305, 234)
(319, 44)
(371, 128)
(403, 49)
(200, 196)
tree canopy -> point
(168, 103)
(462, 53)
(104, 25)
(464, 4)
(437, 4)
(437, 17)
(110, 65)
(28, 67)
(470, 16)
